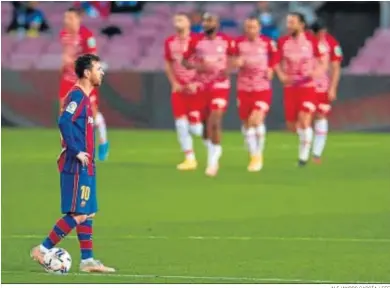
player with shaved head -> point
(213, 53)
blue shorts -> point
(78, 193)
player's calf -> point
(196, 126)
(214, 130)
(305, 133)
(320, 137)
(186, 144)
(62, 228)
(255, 138)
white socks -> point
(305, 141)
(255, 139)
(196, 129)
(321, 133)
(251, 141)
(213, 155)
(101, 125)
(261, 134)
(185, 138)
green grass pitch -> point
(328, 223)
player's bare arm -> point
(231, 65)
(171, 77)
(335, 68)
(270, 74)
(283, 77)
(239, 62)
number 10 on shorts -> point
(85, 192)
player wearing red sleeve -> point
(255, 60)
(213, 53)
(77, 40)
(326, 87)
(300, 58)
(186, 105)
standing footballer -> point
(76, 164)
(186, 104)
(326, 87)
(213, 52)
(76, 40)
(300, 62)
(255, 60)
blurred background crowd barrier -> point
(130, 36)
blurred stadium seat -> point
(142, 36)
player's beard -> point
(295, 33)
(179, 30)
(210, 31)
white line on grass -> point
(184, 277)
(157, 150)
(237, 238)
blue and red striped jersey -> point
(77, 132)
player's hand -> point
(239, 62)
(202, 67)
(192, 88)
(332, 95)
(84, 158)
(176, 87)
(285, 79)
(270, 74)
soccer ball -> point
(57, 261)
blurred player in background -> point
(301, 61)
(213, 52)
(76, 164)
(77, 40)
(326, 87)
(255, 60)
(186, 104)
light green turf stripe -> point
(236, 238)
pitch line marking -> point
(237, 238)
(183, 277)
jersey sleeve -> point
(336, 53)
(191, 48)
(71, 112)
(167, 51)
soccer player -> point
(186, 103)
(77, 40)
(300, 61)
(77, 167)
(255, 60)
(326, 87)
(213, 52)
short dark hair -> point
(74, 10)
(318, 26)
(300, 17)
(85, 62)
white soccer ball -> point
(57, 261)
